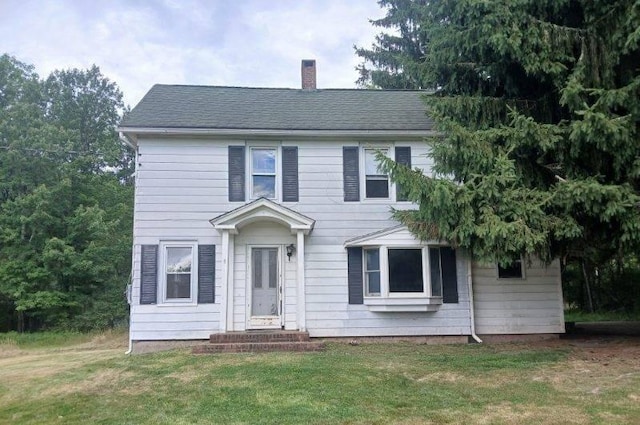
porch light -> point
(291, 248)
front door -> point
(265, 307)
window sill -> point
(412, 304)
(177, 304)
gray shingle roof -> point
(208, 107)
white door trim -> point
(300, 284)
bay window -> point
(399, 272)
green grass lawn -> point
(90, 380)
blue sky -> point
(138, 43)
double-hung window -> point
(402, 272)
(362, 178)
(372, 272)
(376, 182)
(263, 172)
(179, 272)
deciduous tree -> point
(65, 210)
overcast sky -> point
(137, 43)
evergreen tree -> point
(396, 59)
(537, 104)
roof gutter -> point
(129, 133)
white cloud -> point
(221, 42)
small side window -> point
(511, 271)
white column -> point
(231, 282)
(300, 292)
(224, 281)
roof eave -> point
(190, 131)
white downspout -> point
(130, 345)
(471, 303)
(130, 302)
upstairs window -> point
(263, 172)
(363, 180)
(270, 172)
(376, 182)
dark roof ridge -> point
(205, 86)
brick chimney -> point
(309, 74)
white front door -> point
(265, 305)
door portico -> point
(253, 230)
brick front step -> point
(254, 347)
(259, 336)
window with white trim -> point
(263, 172)
(371, 272)
(179, 267)
(376, 183)
(390, 272)
(511, 271)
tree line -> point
(66, 200)
(537, 105)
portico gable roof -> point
(262, 209)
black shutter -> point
(289, 174)
(354, 273)
(206, 273)
(236, 173)
(149, 275)
(403, 156)
(351, 173)
(449, 275)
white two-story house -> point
(263, 208)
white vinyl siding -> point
(182, 183)
(532, 304)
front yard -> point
(74, 380)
